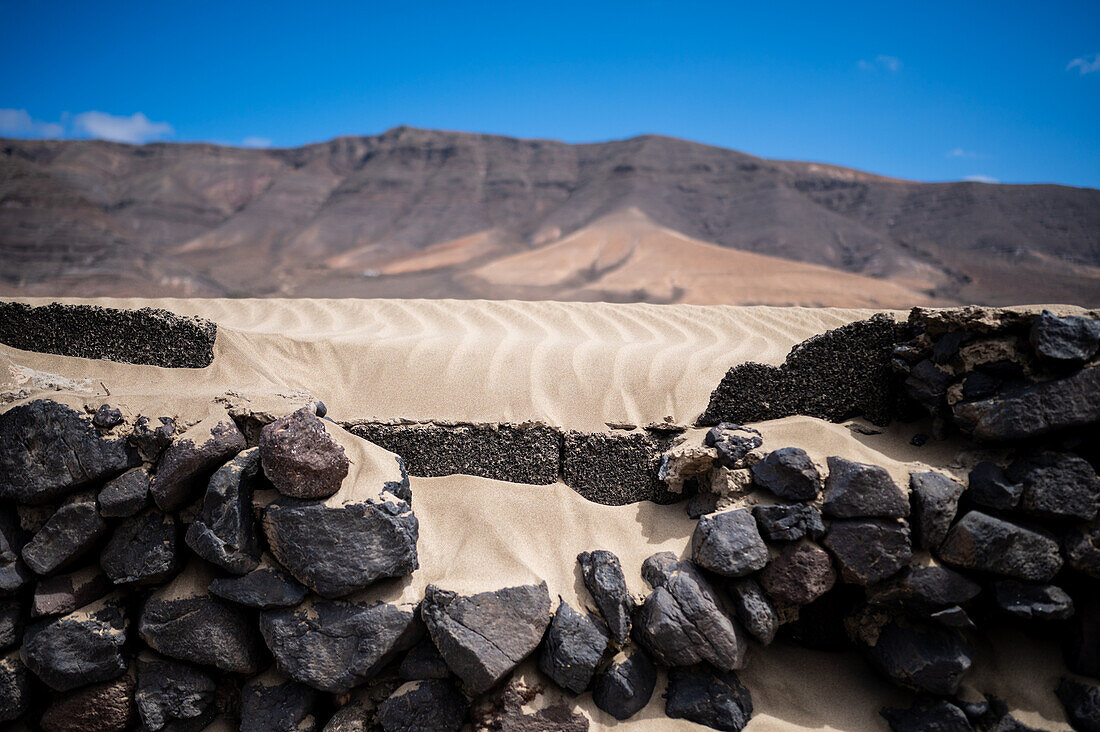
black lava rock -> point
(1057, 486)
(732, 441)
(107, 417)
(174, 696)
(935, 499)
(603, 577)
(625, 686)
(1069, 339)
(300, 458)
(15, 687)
(224, 533)
(1081, 702)
(48, 450)
(922, 658)
(266, 587)
(705, 696)
(575, 644)
(72, 531)
(424, 706)
(926, 588)
(273, 703)
(1031, 601)
(143, 549)
(859, 490)
(788, 473)
(125, 495)
(729, 544)
(927, 716)
(789, 522)
(335, 550)
(424, 661)
(869, 550)
(484, 636)
(1082, 545)
(80, 648)
(754, 610)
(334, 645)
(13, 573)
(982, 542)
(990, 487)
(927, 384)
(67, 592)
(192, 457)
(11, 623)
(152, 438)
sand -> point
(571, 365)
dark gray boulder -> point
(789, 522)
(11, 623)
(224, 533)
(799, 574)
(733, 442)
(107, 417)
(1073, 401)
(1032, 601)
(625, 685)
(424, 661)
(174, 696)
(505, 710)
(1082, 546)
(104, 707)
(990, 487)
(143, 549)
(788, 473)
(337, 549)
(1069, 339)
(183, 620)
(265, 588)
(82, 647)
(185, 466)
(923, 658)
(334, 645)
(67, 592)
(729, 544)
(603, 577)
(925, 588)
(48, 450)
(980, 541)
(754, 610)
(869, 550)
(272, 702)
(126, 495)
(300, 458)
(927, 384)
(712, 698)
(15, 687)
(484, 636)
(682, 622)
(72, 531)
(13, 573)
(434, 705)
(859, 490)
(151, 438)
(927, 716)
(574, 646)
(935, 500)
(1057, 486)
(1081, 703)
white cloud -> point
(1084, 65)
(19, 122)
(135, 129)
(885, 63)
(959, 152)
(981, 179)
(256, 142)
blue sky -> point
(929, 91)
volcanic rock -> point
(858, 490)
(13, 573)
(927, 716)
(625, 686)
(1031, 601)
(926, 588)
(300, 458)
(1082, 643)
(505, 710)
(224, 533)
(152, 438)
(869, 550)
(266, 587)
(705, 696)
(333, 645)
(82, 647)
(1057, 486)
(183, 620)
(729, 544)
(143, 549)
(192, 458)
(800, 574)
(575, 644)
(69, 534)
(603, 577)
(922, 658)
(47, 450)
(485, 636)
(1073, 401)
(990, 487)
(107, 417)
(424, 661)
(1069, 339)
(125, 495)
(273, 703)
(1081, 703)
(67, 592)
(104, 707)
(733, 442)
(927, 384)
(754, 610)
(11, 623)
(982, 542)
(788, 473)
(424, 706)
(15, 687)
(1082, 545)
(935, 499)
(172, 695)
(789, 522)
(682, 623)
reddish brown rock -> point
(300, 458)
